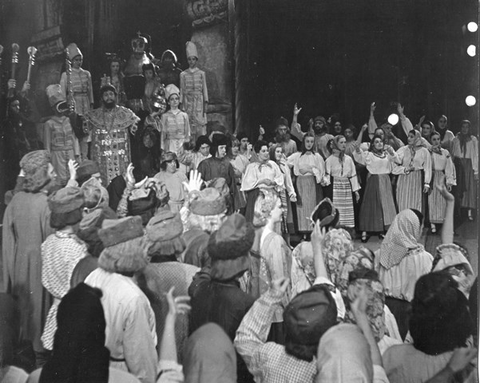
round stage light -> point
(472, 26)
(393, 119)
(470, 100)
(472, 50)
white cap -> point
(54, 94)
(191, 49)
(171, 89)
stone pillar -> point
(211, 35)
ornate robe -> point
(110, 140)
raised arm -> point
(406, 123)
(447, 228)
(253, 331)
(295, 127)
(372, 124)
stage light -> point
(393, 119)
(472, 50)
(472, 26)
(470, 100)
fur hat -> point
(307, 317)
(86, 169)
(115, 231)
(66, 200)
(170, 90)
(106, 88)
(55, 94)
(164, 231)
(35, 166)
(228, 247)
(125, 247)
(73, 51)
(208, 202)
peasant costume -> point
(342, 169)
(442, 165)
(465, 154)
(377, 211)
(411, 182)
(309, 170)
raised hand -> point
(296, 110)
(372, 107)
(72, 168)
(400, 109)
(195, 182)
(440, 185)
(129, 176)
(177, 305)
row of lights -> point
(472, 52)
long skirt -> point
(469, 199)
(378, 207)
(343, 201)
(436, 202)
(410, 191)
(309, 195)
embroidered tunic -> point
(175, 130)
(111, 140)
(62, 144)
(81, 87)
(193, 94)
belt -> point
(117, 360)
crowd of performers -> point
(138, 244)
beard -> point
(279, 138)
(109, 104)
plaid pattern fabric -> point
(60, 254)
(268, 361)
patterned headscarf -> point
(375, 304)
(264, 205)
(361, 258)
(337, 245)
(402, 236)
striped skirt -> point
(343, 201)
(410, 191)
(436, 202)
(309, 195)
(469, 199)
(378, 207)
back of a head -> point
(307, 317)
(344, 356)
(79, 353)
(209, 356)
(440, 319)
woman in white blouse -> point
(378, 207)
(309, 170)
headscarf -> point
(416, 144)
(361, 258)
(335, 149)
(449, 255)
(402, 236)
(265, 203)
(464, 138)
(337, 245)
(209, 356)
(436, 148)
(344, 356)
(368, 279)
